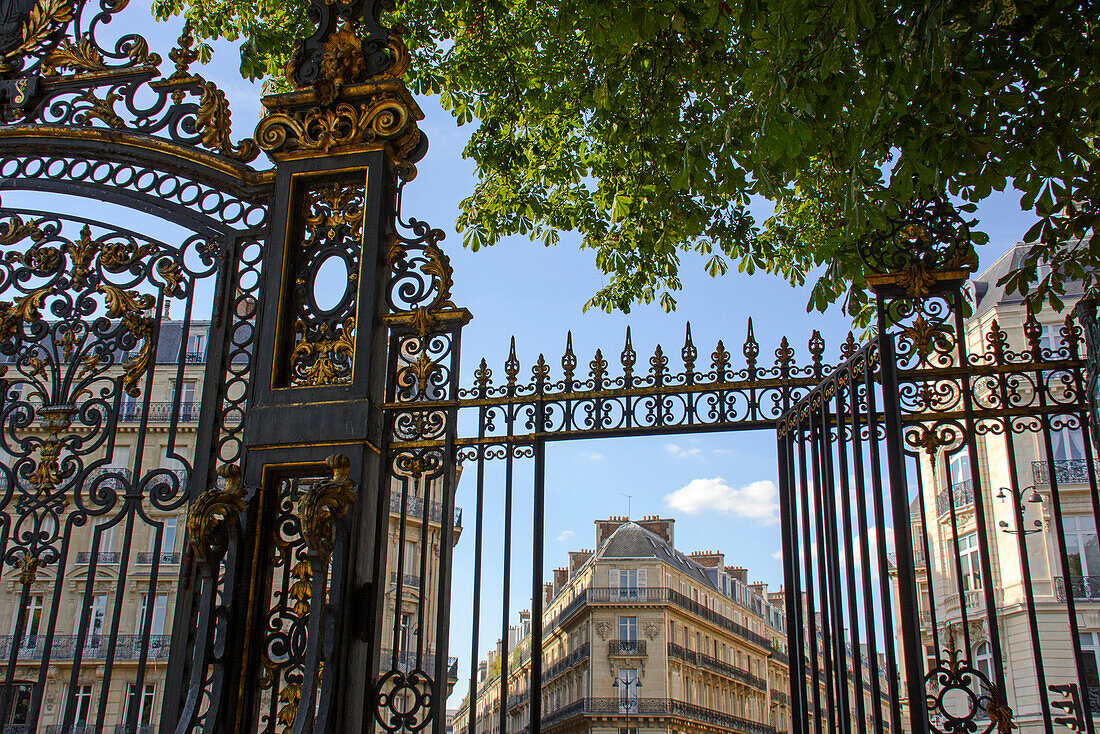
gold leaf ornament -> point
(323, 503)
(215, 509)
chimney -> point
(761, 588)
(738, 572)
(604, 528)
(778, 598)
(547, 594)
(659, 526)
(709, 559)
(577, 559)
(561, 576)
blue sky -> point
(721, 485)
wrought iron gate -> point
(213, 462)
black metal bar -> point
(791, 582)
(506, 592)
(479, 519)
(860, 486)
(811, 611)
(844, 384)
(538, 522)
(823, 576)
(446, 547)
(928, 555)
(960, 586)
(903, 539)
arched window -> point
(983, 660)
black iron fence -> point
(1066, 471)
(722, 668)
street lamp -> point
(1034, 498)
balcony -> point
(96, 647)
(670, 596)
(166, 558)
(650, 707)
(161, 412)
(139, 729)
(1084, 587)
(1066, 471)
(625, 647)
(71, 729)
(414, 507)
(703, 660)
(408, 580)
(102, 558)
(408, 660)
(963, 494)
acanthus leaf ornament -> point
(323, 503)
(210, 514)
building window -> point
(1090, 662)
(32, 625)
(983, 660)
(1082, 547)
(142, 701)
(628, 684)
(628, 629)
(1068, 444)
(408, 632)
(960, 468)
(97, 617)
(970, 562)
(159, 612)
(83, 701)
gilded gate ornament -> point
(323, 503)
(211, 514)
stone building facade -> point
(640, 637)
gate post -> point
(299, 531)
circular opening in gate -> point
(330, 284)
(958, 702)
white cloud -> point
(778, 555)
(755, 501)
(565, 535)
(679, 451)
(592, 456)
(721, 452)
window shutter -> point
(641, 578)
(613, 578)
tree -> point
(648, 126)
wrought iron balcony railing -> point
(414, 507)
(139, 729)
(95, 647)
(161, 412)
(963, 494)
(1066, 471)
(1084, 587)
(655, 707)
(408, 580)
(407, 660)
(671, 596)
(73, 729)
(102, 558)
(703, 660)
(626, 647)
(550, 673)
(167, 558)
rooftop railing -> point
(1066, 471)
